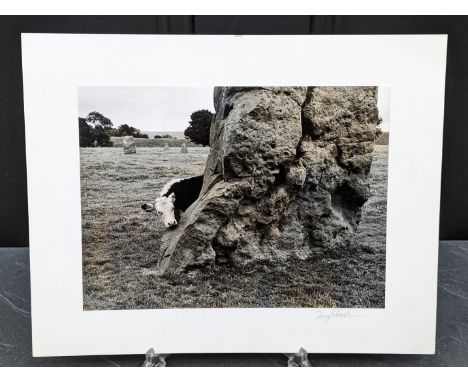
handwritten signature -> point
(327, 315)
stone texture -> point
(183, 148)
(129, 145)
(286, 176)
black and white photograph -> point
(261, 205)
(233, 197)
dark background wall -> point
(13, 195)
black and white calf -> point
(175, 197)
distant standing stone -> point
(166, 147)
(129, 145)
(183, 149)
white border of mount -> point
(54, 65)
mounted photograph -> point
(233, 197)
(285, 199)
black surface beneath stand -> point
(452, 325)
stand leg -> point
(298, 359)
(155, 360)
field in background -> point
(383, 138)
(121, 245)
(154, 142)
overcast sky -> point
(146, 108)
(165, 109)
(383, 103)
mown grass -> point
(121, 242)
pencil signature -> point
(333, 314)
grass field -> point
(121, 242)
(154, 142)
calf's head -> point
(164, 206)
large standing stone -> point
(183, 148)
(286, 176)
(129, 145)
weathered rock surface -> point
(286, 176)
(129, 145)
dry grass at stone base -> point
(121, 242)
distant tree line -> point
(124, 130)
(96, 130)
(164, 136)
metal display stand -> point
(154, 359)
(300, 359)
